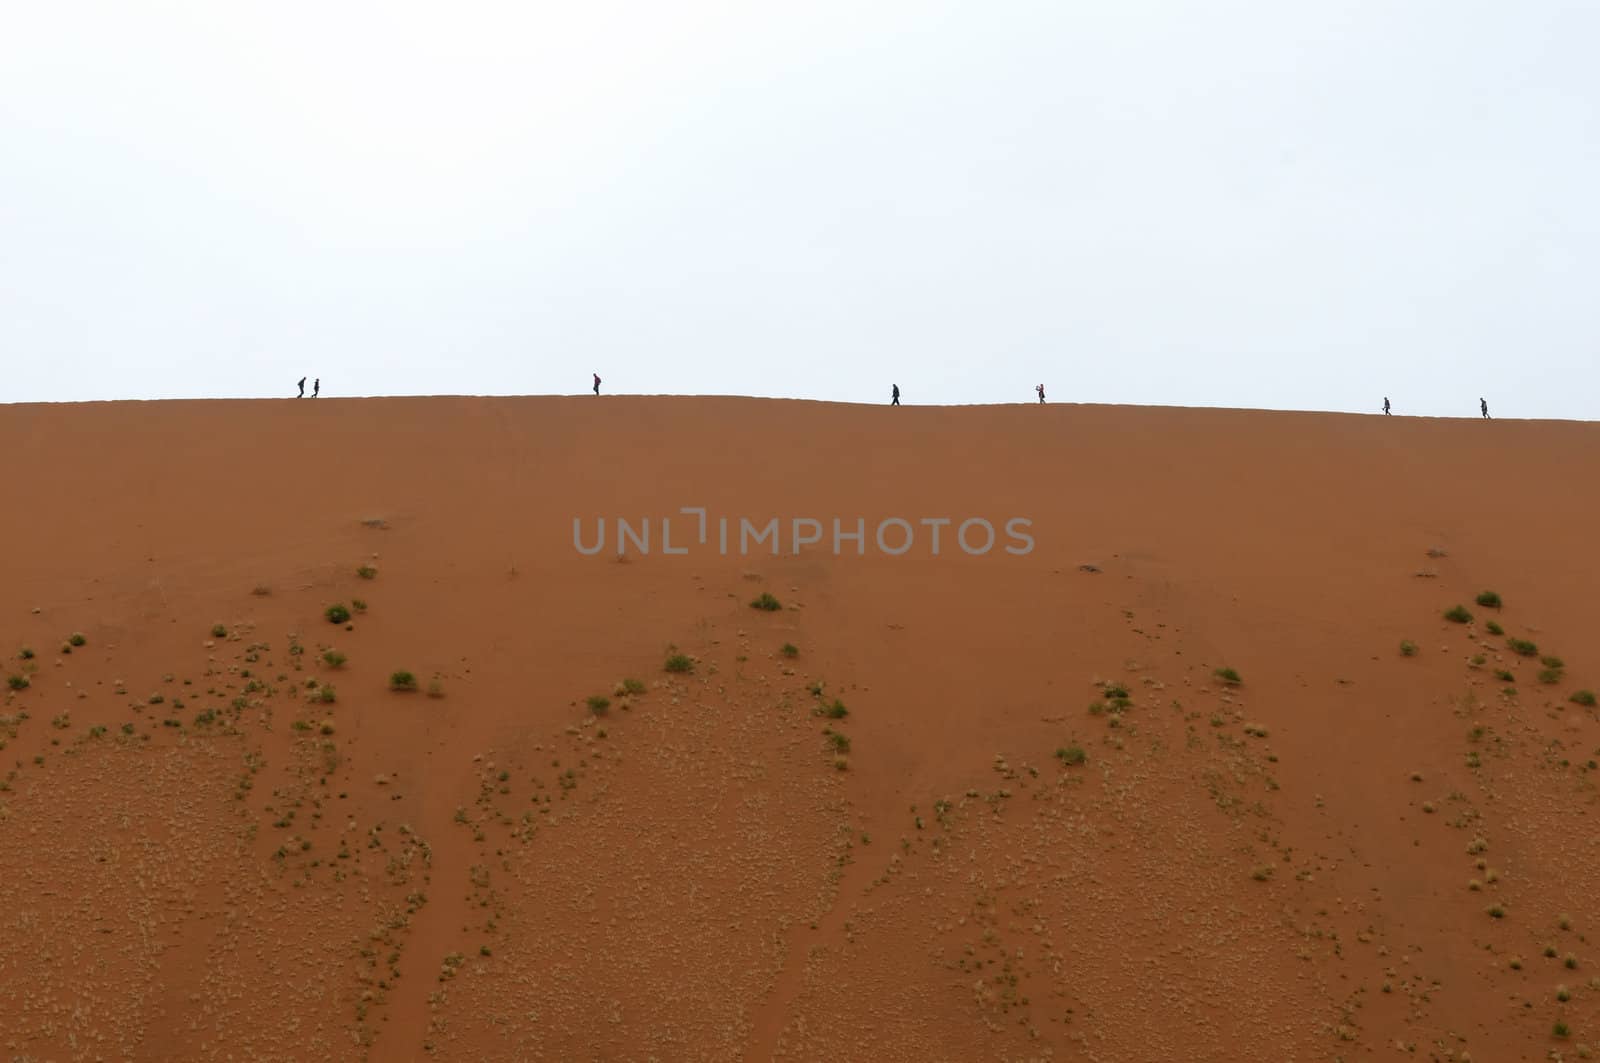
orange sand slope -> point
(992, 805)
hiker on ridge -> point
(597, 383)
(1040, 390)
(1483, 408)
(895, 396)
(316, 388)
(1386, 406)
(302, 388)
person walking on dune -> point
(316, 388)
(302, 388)
(1040, 390)
(1483, 408)
(1386, 406)
(597, 383)
(894, 395)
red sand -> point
(1235, 872)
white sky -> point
(1301, 204)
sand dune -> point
(1040, 825)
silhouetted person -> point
(302, 388)
(1483, 408)
(316, 388)
(1386, 406)
(895, 395)
(1040, 390)
(597, 383)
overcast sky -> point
(1294, 205)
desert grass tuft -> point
(1071, 755)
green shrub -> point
(358, 605)
(1489, 600)
(1522, 647)
(25, 653)
(1504, 676)
(1549, 675)
(598, 704)
(1552, 662)
(766, 602)
(835, 710)
(840, 742)
(367, 572)
(1583, 697)
(219, 631)
(1229, 676)
(337, 614)
(402, 681)
(1457, 614)
(326, 695)
(333, 658)
(679, 662)
(1071, 755)
(76, 639)
(1408, 648)
(632, 686)
(18, 682)
(789, 650)
(1494, 629)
